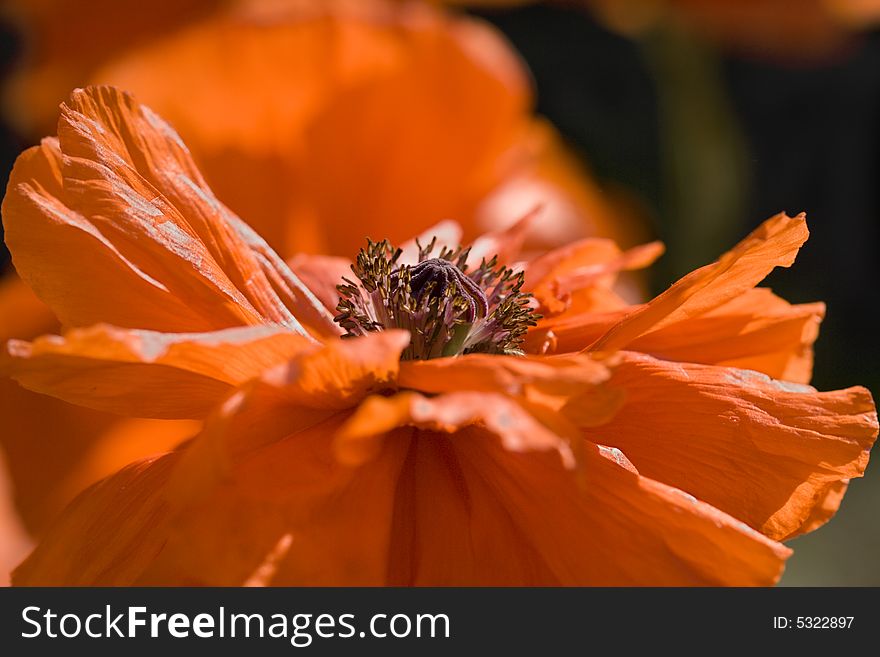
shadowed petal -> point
(14, 540)
(126, 515)
(618, 528)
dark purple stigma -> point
(435, 276)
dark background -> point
(711, 143)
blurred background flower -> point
(704, 116)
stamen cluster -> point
(447, 310)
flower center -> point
(447, 310)
(438, 277)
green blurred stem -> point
(703, 152)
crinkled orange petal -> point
(557, 375)
(113, 222)
(450, 529)
(44, 438)
(361, 437)
(756, 331)
(827, 503)
(763, 451)
(321, 522)
(125, 441)
(54, 449)
(340, 517)
(146, 373)
(773, 244)
(304, 392)
(510, 518)
(221, 490)
(341, 373)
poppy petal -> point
(112, 222)
(452, 530)
(292, 397)
(401, 79)
(763, 451)
(573, 277)
(774, 243)
(757, 331)
(321, 274)
(359, 439)
(23, 314)
(556, 375)
(337, 517)
(341, 373)
(827, 503)
(145, 373)
(506, 243)
(324, 522)
(125, 514)
(617, 528)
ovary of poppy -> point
(322, 460)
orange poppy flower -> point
(264, 93)
(371, 461)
